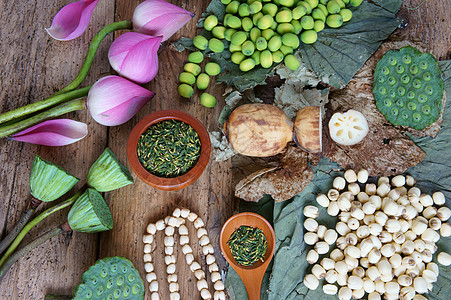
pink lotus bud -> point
(72, 20)
(58, 132)
(134, 56)
(113, 100)
(158, 17)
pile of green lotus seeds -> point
(262, 32)
(408, 88)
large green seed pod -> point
(90, 213)
(111, 278)
(48, 181)
(268, 34)
(107, 173)
(284, 16)
(408, 88)
(334, 21)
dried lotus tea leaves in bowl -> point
(248, 245)
(408, 88)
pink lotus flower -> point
(134, 56)
(158, 17)
(113, 100)
(58, 132)
(72, 20)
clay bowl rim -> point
(175, 183)
(271, 238)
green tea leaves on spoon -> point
(248, 245)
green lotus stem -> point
(35, 221)
(92, 52)
(40, 105)
(51, 113)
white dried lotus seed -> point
(173, 287)
(219, 295)
(333, 209)
(147, 248)
(321, 247)
(148, 239)
(174, 296)
(348, 128)
(311, 282)
(198, 223)
(151, 228)
(169, 230)
(445, 230)
(208, 249)
(183, 230)
(333, 194)
(443, 213)
(444, 258)
(170, 269)
(213, 268)
(310, 224)
(199, 274)
(311, 211)
(339, 183)
(350, 176)
(189, 258)
(439, 198)
(169, 259)
(172, 278)
(192, 216)
(210, 259)
(322, 200)
(205, 294)
(151, 277)
(168, 241)
(398, 180)
(201, 232)
(184, 239)
(155, 296)
(215, 276)
(176, 212)
(153, 286)
(330, 289)
(219, 286)
(187, 249)
(321, 231)
(172, 222)
(194, 266)
(312, 256)
(160, 225)
(166, 220)
(310, 238)
(204, 240)
(169, 250)
(147, 257)
(184, 212)
(148, 267)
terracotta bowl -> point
(176, 183)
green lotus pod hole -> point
(427, 76)
(136, 289)
(413, 69)
(405, 115)
(392, 93)
(426, 109)
(411, 95)
(416, 117)
(400, 103)
(422, 98)
(429, 90)
(124, 269)
(114, 268)
(382, 90)
(401, 91)
(109, 297)
(94, 281)
(387, 102)
(395, 112)
(104, 273)
(99, 290)
(411, 106)
(120, 281)
(117, 293)
(126, 291)
(423, 65)
(405, 78)
(89, 294)
(400, 69)
(391, 80)
(406, 59)
(416, 83)
(109, 283)
(385, 70)
(392, 61)
(381, 79)
(131, 278)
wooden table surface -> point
(33, 66)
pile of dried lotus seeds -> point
(385, 238)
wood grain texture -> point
(33, 65)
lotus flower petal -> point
(158, 17)
(134, 56)
(114, 100)
(58, 132)
(72, 20)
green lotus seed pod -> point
(333, 7)
(196, 57)
(225, 2)
(234, 48)
(355, 3)
(270, 9)
(307, 22)
(286, 3)
(318, 14)
(232, 7)
(186, 77)
(210, 22)
(207, 100)
(255, 7)
(274, 43)
(212, 69)
(203, 80)
(229, 33)
(265, 22)
(237, 57)
(334, 21)
(298, 12)
(234, 22)
(277, 56)
(248, 48)
(323, 9)
(313, 3)
(216, 45)
(192, 68)
(285, 28)
(254, 34)
(286, 50)
(266, 59)
(247, 64)
(291, 62)
(256, 17)
(267, 34)
(238, 38)
(200, 42)
(346, 14)
(290, 40)
(186, 91)
(261, 43)
(309, 36)
(256, 57)
(243, 10)
(219, 32)
(318, 26)
(341, 3)
(307, 6)
(284, 16)
(246, 24)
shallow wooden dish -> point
(251, 276)
(176, 183)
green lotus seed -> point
(406, 59)
(203, 80)
(247, 24)
(216, 45)
(267, 34)
(387, 102)
(381, 79)
(413, 69)
(324, 9)
(234, 48)
(256, 17)
(200, 42)
(400, 69)
(248, 48)
(382, 90)
(243, 10)
(391, 80)
(291, 62)
(395, 111)
(318, 26)
(298, 12)
(232, 7)
(126, 292)
(318, 14)
(410, 95)
(286, 50)
(297, 27)
(427, 76)
(265, 22)
(256, 57)
(117, 293)
(385, 70)
(313, 3)
(266, 59)
(401, 91)
(285, 28)
(255, 7)
(400, 103)
(136, 289)
(429, 90)
(355, 3)
(238, 38)
(131, 278)
(333, 7)
(392, 93)
(225, 2)
(341, 3)
(346, 14)
(187, 78)
(109, 297)
(210, 22)
(261, 43)
(103, 273)
(334, 21)
(423, 65)
(392, 61)
(416, 83)
(192, 68)
(416, 117)
(290, 40)
(254, 34)
(185, 90)
(270, 9)
(411, 106)
(212, 69)
(207, 100)
(274, 43)
(309, 36)
(277, 56)
(307, 22)
(426, 109)
(196, 57)
(237, 57)
(405, 78)
(100, 290)
(287, 3)
(120, 281)
(219, 32)
(306, 5)
(422, 98)
(405, 115)
(284, 16)
(234, 22)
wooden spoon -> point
(251, 276)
